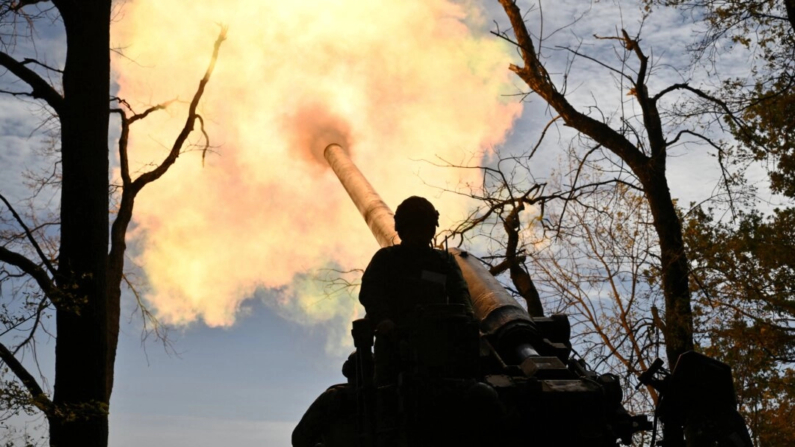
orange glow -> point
(395, 81)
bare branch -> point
(537, 78)
(140, 116)
(12, 93)
(577, 53)
(702, 94)
(132, 187)
(543, 134)
(156, 173)
(505, 264)
(580, 166)
(124, 164)
(39, 398)
(504, 37)
(43, 304)
(29, 235)
(651, 116)
(206, 138)
(41, 89)
(147, 316)
(31, 268)
(724, 171)
(22, 3)
(126, 122)
(41, 64)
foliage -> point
(745, 119)
(768, 133)
(602, 270)
(757, 105)
(744, 278)
(744, 269)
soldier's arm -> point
(457, 288)
(309, 431)
(373, 294)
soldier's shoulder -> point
(390, 249)
(442, 253)
(380, 255)
(445, 255)
(386, 253)
(338, 387)
(332, 393)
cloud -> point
(396, 81)
(134, 430)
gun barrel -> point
(500, 316)
(376, 213)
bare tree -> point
(77, 274)
(638, 142)
(645, 156)
(588, 251)
(600, 270)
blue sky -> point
(248, 384)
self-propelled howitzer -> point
(541, 395)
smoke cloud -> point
(312, 128)
(394, 81)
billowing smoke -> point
(394, 81)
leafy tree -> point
(744, 279)
(639, 144)
(78, 273)
(737, 275)
(743, 268)
(759, 104)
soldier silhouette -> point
(331, 419)
(402, 277)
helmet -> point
(416, 214)
(349, 367)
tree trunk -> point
(84, 352)
(790, 5)
(521, 279)
(678, 329)
(525, 286)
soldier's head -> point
(416, 220)
(349, 368)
